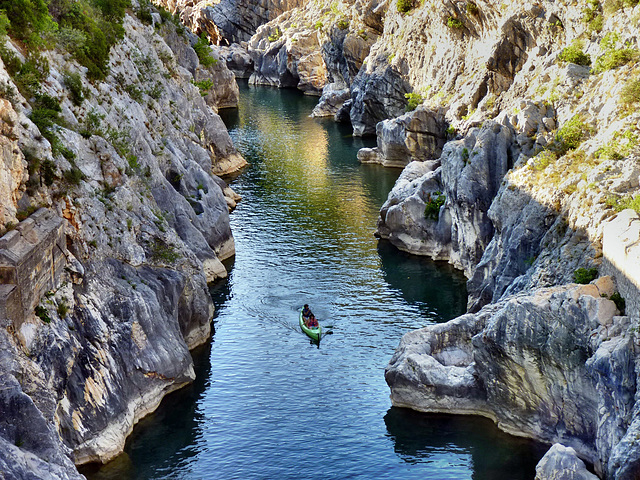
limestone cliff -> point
(104, 291)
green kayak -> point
(313, 332)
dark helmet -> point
(306, 306)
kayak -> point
(313, 332)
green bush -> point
(4, 24)
(454, 23)
(42, 313)
(585, 275)
(343, 24)
(274, 37)
(472, 8)
(28, 20)
(592, 16)
(73, 82)
(616, 58)
(432, 207)
(62, 309)
(574, 54)
(413, 100)
(204, 52)
(404, 5)
(204, 86)
(572, 134)
(45, 115)
(630, 93)
(163, 252)
(73, 176)
(619, 301)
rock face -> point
(104, 292)
(562, 463)
(557, 365)
(414, 136)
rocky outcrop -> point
(415, 136)
(562, 463)
(557, 365)
(102, 307)
(227, 21)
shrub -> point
(404, 5)
(274, 37)
(73, 82)
(619, 301)
(592, 16)
(572, 134)
(585, 275)
(204, 52)
(343, 24)
(62, 309)
(27, 20)
(413, 100)
(630, 93)
(616, 58)
(574, 54)
(4, 24)
(73, 176)
(465, 155)
(42, 313)
(204, 86)
(472, 8)
(91, 124)
(318, 25)
(163, 252)
(432, 207)
(454, 23)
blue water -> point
(268, 404)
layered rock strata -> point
(106, 290)
(557, 365)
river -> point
(267, 403)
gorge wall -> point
(103, 284)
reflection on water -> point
(476, 442)
(270, 405)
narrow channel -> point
(267, 403)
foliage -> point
(204, 86)
(413, 100)
(204, 52)
(62, 309)
(614, 57)
(163, 252)
(73, 82)
(73, 176)
(343, 24)
(45, 115)
(91, 124)
(42, 313)
(544, 159)
(619, 301)
(585, 275)
(432, 207)
(4, 24)
(404, 5)
(472, 8)
(572, 134)
(574, 54)
(28, 20)
(623, 203)
(454, 23)
(612, 6)
(592, 16)
(275, 36)
(144, 12)
(630, 93)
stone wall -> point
(621, 252)
(31, 262)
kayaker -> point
(306, 312)
(312, 323)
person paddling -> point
(306, 313)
